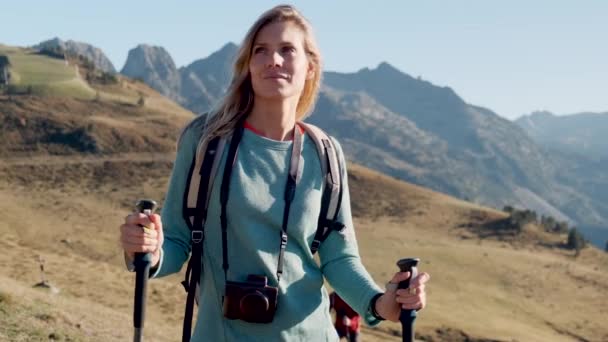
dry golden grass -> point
(129, 91)
(503, 290)
(65, 203)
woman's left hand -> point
(389, 305)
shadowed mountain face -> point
(95, 55)
(583, 134)
(578, 144)
(421, 102)
(447, 145)
(154, 66)
(204, 81)
(413, 130)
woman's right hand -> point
(137, 239)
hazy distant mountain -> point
(422, 102)
(154, 66)
(473, 153)
(95, 55)
(413, 130)
(450, 146)
(583, 133)
(204, 81)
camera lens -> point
(254, 303)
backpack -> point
(202, 172)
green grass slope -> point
(45, 75)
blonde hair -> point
(238, 100)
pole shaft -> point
(142, 270)
(138, 335)
(142, 273)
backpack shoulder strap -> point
(196, 199)
(200, 180)
(332, 193)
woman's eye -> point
(258, 49)
(288, 49)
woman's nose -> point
(274, 60)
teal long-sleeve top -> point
(255, 215)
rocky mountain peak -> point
(155, 66)
(92, 53)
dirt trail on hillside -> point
(92, 159)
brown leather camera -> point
(251, 301)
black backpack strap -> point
(196, 199)
(332, 192)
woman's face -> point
(279, 65)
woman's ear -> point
(310, 74)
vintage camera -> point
(251, 301)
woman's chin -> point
(277, 93)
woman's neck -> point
(274, 121)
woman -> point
(276, 79)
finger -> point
(138, 219)
(137, 248)
(419, 305)
(409, 300)
(137, 231)
(156, 221)
(151, 244)
(413, 306)
(139, 240)
(420, 279)
(400, 276)
(144, 241)
(407, 293)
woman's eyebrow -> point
(282, 43)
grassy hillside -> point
(45, 75)
(69, 211)
(71, 169)
(48, 76)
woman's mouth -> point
(276, 76)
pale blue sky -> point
(512, 57)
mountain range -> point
(416, 131)
(71, 168)
(583, 134)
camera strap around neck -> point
(290, 189)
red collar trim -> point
(248, 126)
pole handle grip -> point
(407, 317)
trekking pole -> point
(407, 316)
(142, 269)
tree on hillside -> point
(576, 240)
(4, 73)
(548, 222)
(520, 218)
(142, 100)
(551, 225)
(561, 227)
